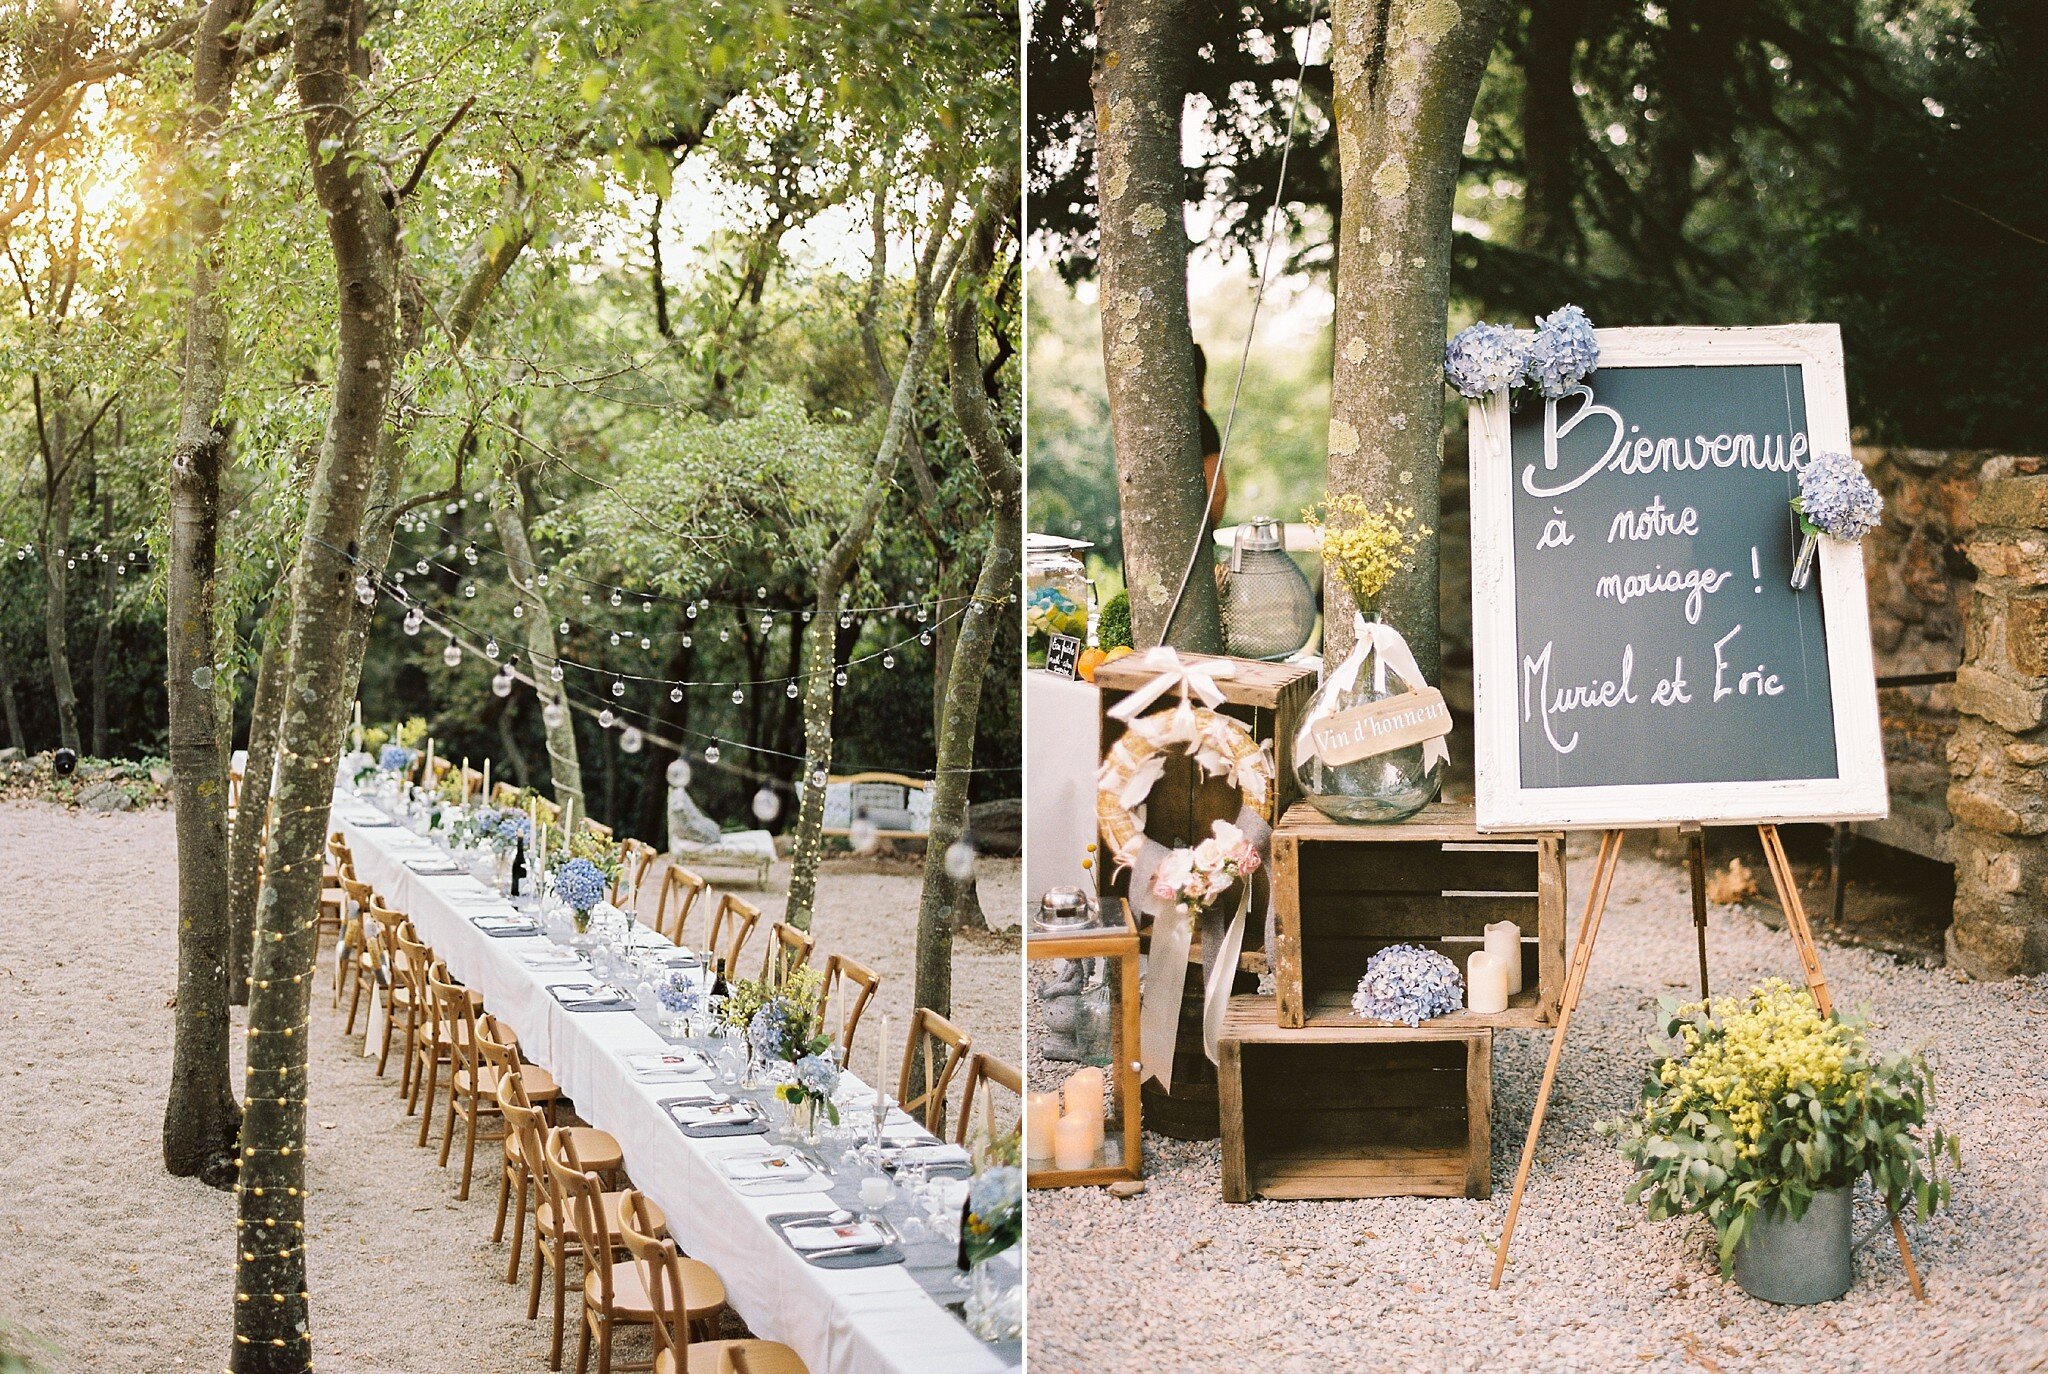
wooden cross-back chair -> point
(680, 889)
(434, 1033)
(382, 961)
(479, 1056)
(409, 993)
(598, 1150)
(938, 1047)
(556, 1235)
(333, 901)
(986, 1073)
(854, 981)
(634, 858)
(357, 940)
(676, 1349)
(615, 1294)
(789, 949)
(731, 924)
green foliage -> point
(1113, 624)
(1759, 1103)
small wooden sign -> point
(1062, 653)
(1382, 726)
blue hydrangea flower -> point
(1409, 984)
(394, 758)
(996, 1193)
(1485, 359)
(580, 884)
(817, 1074)
(679, 994)
(1564, 352)
(776, 1030)
(1836, 498)
(512, 827)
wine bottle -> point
(518, 864)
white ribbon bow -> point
(1389, 651)
(1170, 670)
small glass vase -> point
(1379, 788)
(995, 1299)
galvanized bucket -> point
(1786, 1261)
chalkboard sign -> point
(1640, 657)
(1063, 655)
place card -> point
(657, 1066)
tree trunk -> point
(1552, 130)
(1406, 75)
(60, 494)
(996, 589)
(565, 767)
(821, 660)
(272, 1333)
(245, 845)
(103, 630)
(1148, 349)
(201, 1118)
(15, 737)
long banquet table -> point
(841, 1321)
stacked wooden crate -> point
(1318, 1102)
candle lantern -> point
(1082, 1124)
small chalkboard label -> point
(1062, 653)
(1639, 657)
(1380, 727)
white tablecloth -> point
(1060, 722)
(841, 1321)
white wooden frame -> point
(1857, 792)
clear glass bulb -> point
(452, 655)
(711, 753)
(553, 715)
(679, 773)
(631, 740)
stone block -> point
(2019, 558)
(2007, 704)
(2026, 632)
(2014, 502)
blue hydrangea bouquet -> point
(1835, 499)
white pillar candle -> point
(427, 773)
(1504, 941)
(1041, 1114)
(487, 777)
(1074, 1142)
(1486, 983)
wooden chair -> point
(596, 1148)
(675, 1352)
(383, 961)
(779, 1359)
(855, 981)
(356, 941)
(434, 1034)
(602, 831)
(504, 794)
(634, 857)
(473, 1075)
(680, 888)
(616, 1294)
(986, 1073)
(929, 1034)
(333, 900)
(409, 993)
(734, 920)
(789, 949)
(472, 783)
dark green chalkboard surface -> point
(1641, 655)
(1636, 601)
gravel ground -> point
(1177, 1279)
(109, 1264)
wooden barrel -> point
(1190, 1111)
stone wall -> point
(1999, 755)
(1920, 581)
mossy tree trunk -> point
(565, 768)
(833, 572)
(272, 1334)
(1406, 74)
(201, 1116)
(60, 497)
(995, 593)
(245, 844)
(1148, 348)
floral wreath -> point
(1220, 745)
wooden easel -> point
(1582, 957)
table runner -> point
(846, 1321)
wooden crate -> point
(1342, 893)
(1356, 1111)
(1270, 698)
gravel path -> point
(107, 1263)
(1178, 1279)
